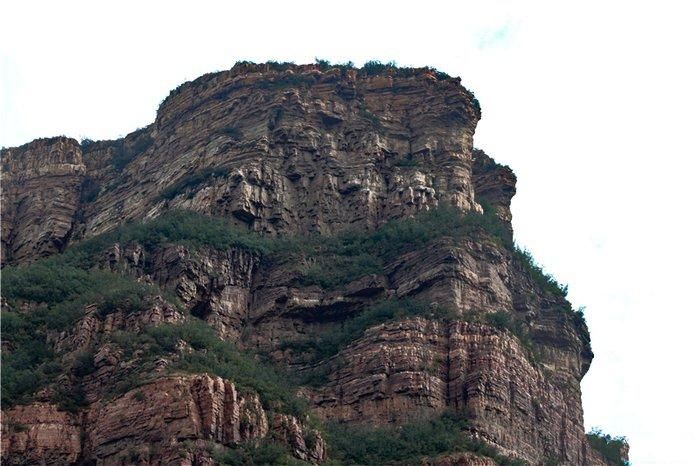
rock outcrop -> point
(295, 151)
(41, 185)
(170, 421)
(40, 433)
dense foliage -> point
(328, 343)
(251, 454)
(61, 291)
(334, 261)
(214, 356)
(63, 284)
(405, 444)
(608, 446)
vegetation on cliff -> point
(58, 289)
(610, 448)
(205, 352)
(59, 293)
(408, 443)
(62, 285)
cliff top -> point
(306, 74)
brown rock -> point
(40, 434)
(41, 184)
(299, 151)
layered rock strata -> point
(300, 151)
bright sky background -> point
(594, 104)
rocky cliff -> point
(287, 258)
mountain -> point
(291, 265)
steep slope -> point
(345, 245)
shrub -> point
(500, 320)
(279, 66)
(504, 320)
(70, 398)
(322, 64)
(542, 279)
(407, 161)
(85, 144)
(334, 271)
(214, 356)
(250, 454)
(608, 446)
(65, 288)
(374, 67)
(330, 342)
(405, 444)
(60, 291)
(440, 75)
(331, 262)
(371, 117)
(128, 148)
(89, 190)
(29, 362)
(84, 363)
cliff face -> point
(40, 197)
(297, 151)
(426, 323)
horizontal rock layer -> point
(299, 151)
(171, 420)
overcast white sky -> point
(594, 104)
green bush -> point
(25, 369)
(334, 261)
(89, 190)
(60, 290)
(279, 66)
(250, 454)
(504, 320)
(70, 398)
(85, 144)
(375, 68)
(323, 65)
(334, 271)
(84, 363)
(405, 444)
(65, 289)
(128, 148)
(541, 279)
(608, 446)
(408, 161)
(330, 342)
(214, 356)
(371, 117)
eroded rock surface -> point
(300, 151)
(41, 185)
(171, 420)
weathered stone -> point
(41, 185)
(40, 434)
(299, 151)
